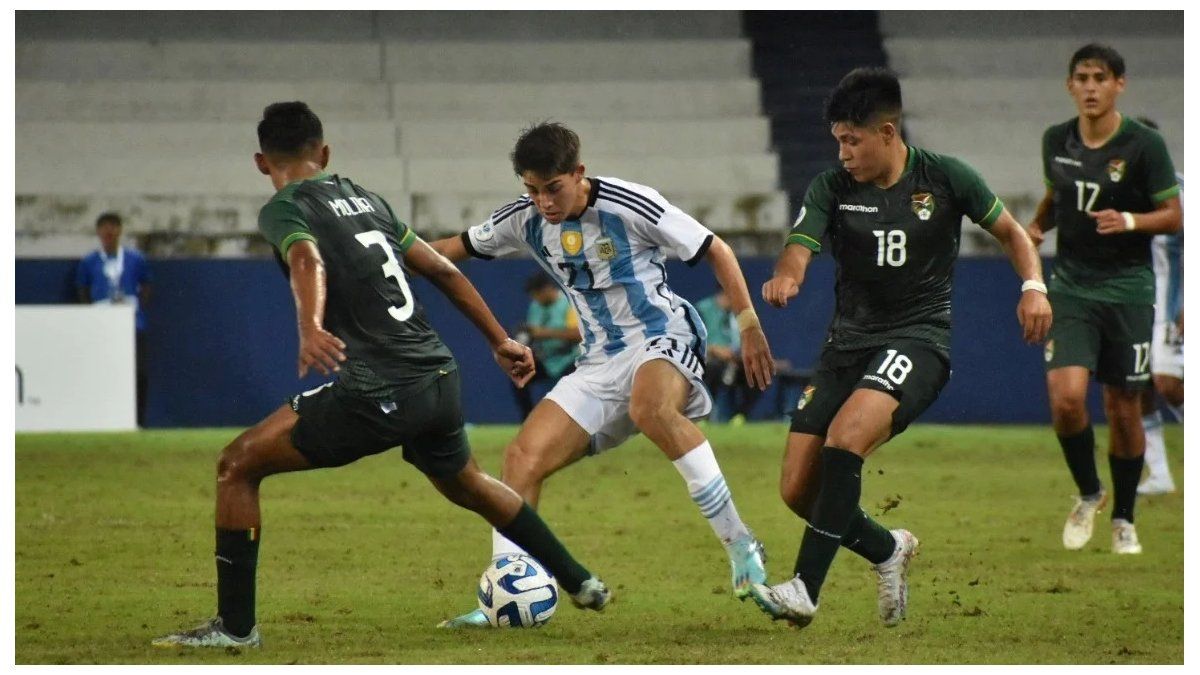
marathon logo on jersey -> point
(605, 248)
(351, 206)
(858, 208)
(806, 397)
(572, 242)
(1116, 169)
(1068, 161)
(923, 205)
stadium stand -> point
(154, 116)
(983, 86)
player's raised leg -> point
(660, 396)
(473, 489)
(862, 424)
(1067, 387)
(263, 450)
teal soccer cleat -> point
(747, 558)
(472, 619)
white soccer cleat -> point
(788, 601)
(1156, 485)
(1078, 530)
(211, 633)
(594, 594)
(892, 586)
(1124, 538)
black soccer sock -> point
(868, 538)
(531, 533)
(841, 486)
(1080, 451)
(237, 563)
(1125, 476)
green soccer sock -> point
(237, 565)
(531, 533)
(841, 487)
(868, 538)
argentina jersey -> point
(1167, 256)
(610, 261)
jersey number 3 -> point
(391, 268)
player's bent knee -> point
(1067, 409)
(651, 414)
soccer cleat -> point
(747, 558)
(211, 633)
(788, 601)
(1124, 538)
(892, 586)
(1156, 485)
(1078, 530)
(472, 619)
(592, 595)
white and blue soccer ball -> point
(517, 592)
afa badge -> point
(572, 242)
(923, 205)
(1116, 169)
(605, 248)
(806, 397)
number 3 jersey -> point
(390, 346)
(895, 248)
(1131, 172)
(610, 261)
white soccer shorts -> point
(1166, 352)
(597, 395)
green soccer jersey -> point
(1131, 172)
(895, 248)
(390, 346)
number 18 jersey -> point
(390, 345)
(895, 248)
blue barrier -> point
(222, 341)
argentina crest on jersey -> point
(605, 248)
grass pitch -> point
(114, 543)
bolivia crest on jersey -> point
(605, 248)
(1116, 169)
(923, 205)
(572, 242)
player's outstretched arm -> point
(514, 358)
(1166, 218)
(451, 248)
(756, 353)
(1033, 311)
(1042, 222)
(319, 348)
(789, 274)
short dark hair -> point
(538, 281)
(1098, 52)
(108, 217)
(1148, 122)
(289, 128)
(547, 149)
(865, 95)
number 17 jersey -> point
(390, 345)
(895, 247)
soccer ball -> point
(517, 592)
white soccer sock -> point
(1156, 449)
(707, 487)
(501, 546)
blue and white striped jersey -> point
(609, 261)
(1167, 255)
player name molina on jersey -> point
(350, 206)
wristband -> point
(747, 319)
(1130, 223)
(1033, 285)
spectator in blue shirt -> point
(723, 369)
(551, 330)
(119, 275)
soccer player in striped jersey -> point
(641, 366)
(1166, 351)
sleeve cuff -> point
(993, 213)
(292, 239)
(407, 241)
(1164, 195)
(700, 251)
(805, 241)
(466, 240)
